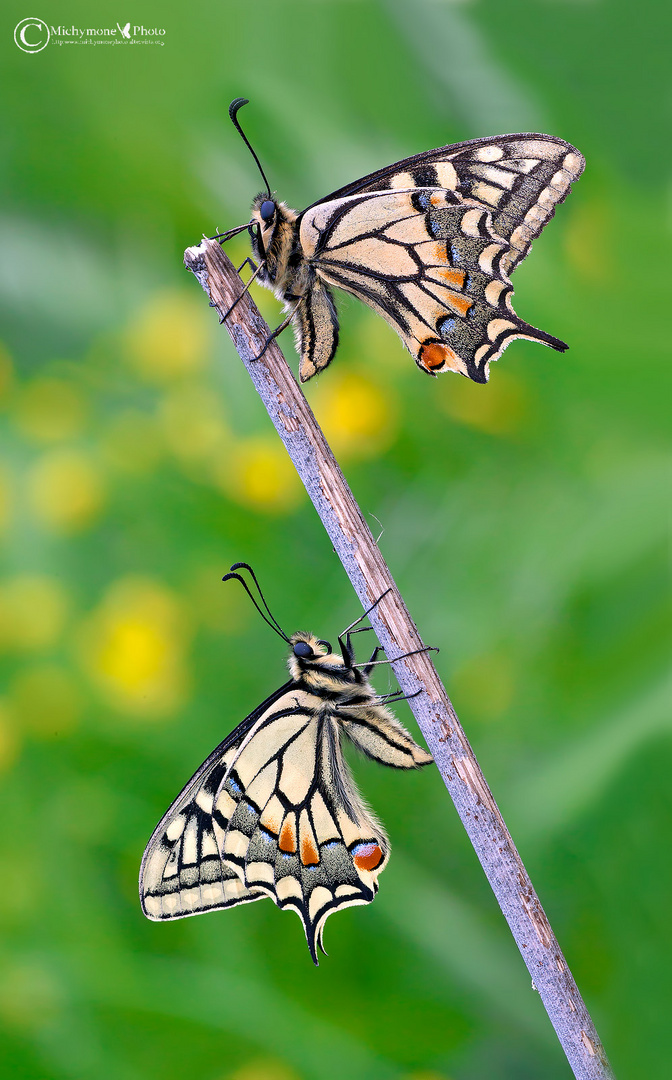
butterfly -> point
(429, 243)
(274, 810)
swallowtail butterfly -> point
(274, 811)
(429, 243)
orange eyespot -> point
(434, 355)
(367, 856)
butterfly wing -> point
(431, 264)
(521, 178)
(272, 812)
(182, 872)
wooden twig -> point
(397, 633)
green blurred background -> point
(522, 521)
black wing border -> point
(428, 156)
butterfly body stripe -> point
(274, 810)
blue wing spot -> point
(445, 326)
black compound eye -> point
(267, 210)
(326, 645)
(302, 648)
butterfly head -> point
(270, 220)
(311, 656)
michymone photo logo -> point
(32, 35)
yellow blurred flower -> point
(132, 441)
(33, 610)
(484, 686)
(46, 700)
(170, 337)
(193, 424)
(134, 647)
(358, 416)
(49, 409)
(500, 407)
(65, 490)
(259, 473)
(9, 737)
(6, 374)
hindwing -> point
(273, 812)
(428, 261)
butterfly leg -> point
(278, 330)
(371, 661)
(247, 260)
(363, 616)
(414, 652)
(224, 236)
(384, 699)
(257, 270)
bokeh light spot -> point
(260, 474)
(134, 647)
(33, 611)
(65, 490)
(358, 416)
(170, 338)
(193, 424)
(49, 409)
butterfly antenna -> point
(235, 105)
(246, 566)
(271, 620)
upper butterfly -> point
(429, 243)
(274, 810)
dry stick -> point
(370, 577)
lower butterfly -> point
(274, 811)
(429, 243)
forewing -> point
(428, 262)
(521, 178)
(182, 872)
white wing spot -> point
(288, 886)
(489, 153)
(175, 828)
(486, 193)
